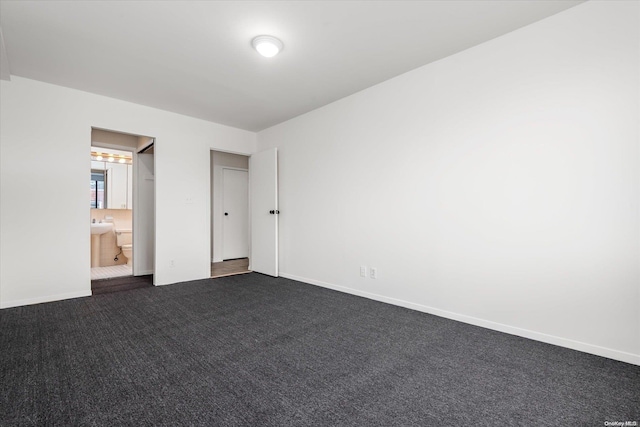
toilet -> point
(124, 241)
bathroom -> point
(114, 157)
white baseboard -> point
(49, 298)
(538, 336)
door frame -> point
(213, 256)
(134, 165)
(139, 217)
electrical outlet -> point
(363, 271)
(172, 263)
(373, 273)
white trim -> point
(49, 298)
(135, 215)
(537, 336)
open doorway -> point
(122, 245)
(229, 214)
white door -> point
(235, 222)
(144, 224)
(263, 168)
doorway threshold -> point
(117, 284)
(230, 267)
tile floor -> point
(113, 271)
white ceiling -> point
(195, 57)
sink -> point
(98, 229)
(101, 227)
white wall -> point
(498, 186)
(45, 139)
(219, 160)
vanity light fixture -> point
(110, 157)
(267, 45)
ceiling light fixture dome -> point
(267, 45)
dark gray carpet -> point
(253, 350)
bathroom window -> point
(98, 193)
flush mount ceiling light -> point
(267, 45)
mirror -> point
(111, 178)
